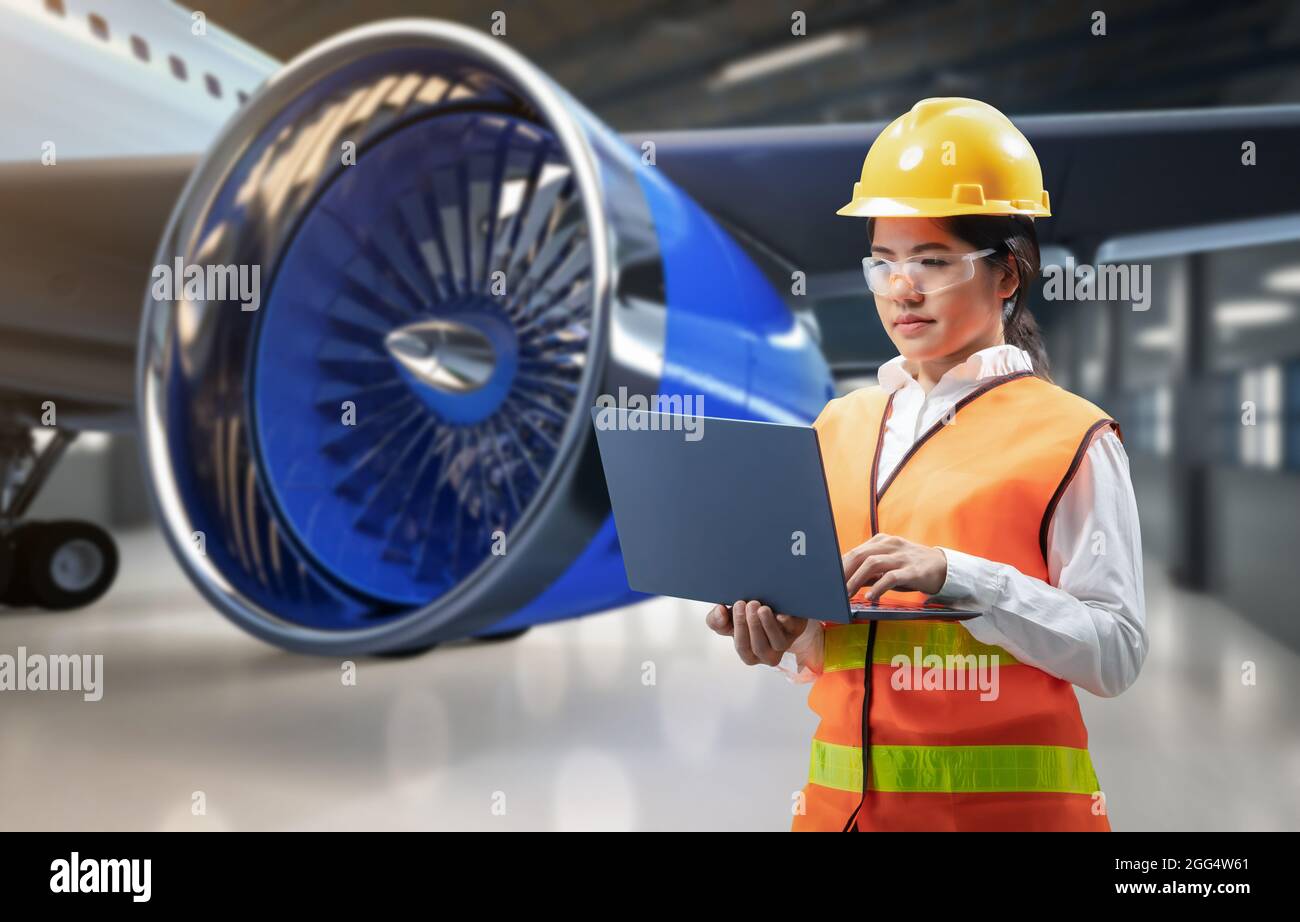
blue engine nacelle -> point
(455, 260)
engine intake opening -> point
(455, 245)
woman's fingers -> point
(741, 634)
(793, 626)
(900, 578)
(872, 569)
(778, 639)
(760, 634)
(759, 642)
(853, 559)
(873, 545)
(719, 619)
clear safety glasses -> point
(928, 272)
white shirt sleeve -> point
(1089, 625)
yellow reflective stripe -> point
(846, 645)
(955, 769)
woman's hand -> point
(886, 562)
(761, 635)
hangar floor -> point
(558, 729)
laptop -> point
(717, 510)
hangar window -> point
(178, 68)
(99, 26)
(213, 84)
(1292, 414)
(55, 7)
(1260, 442)
(140, 48)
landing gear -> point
(61, 565)
(55, 565)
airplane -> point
(356, 306)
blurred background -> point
(560, 718)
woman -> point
(969, 477)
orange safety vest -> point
(985, 481)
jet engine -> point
(388, 445)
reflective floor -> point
(634, 719)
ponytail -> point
(1019, 328)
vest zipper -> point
(852, 824)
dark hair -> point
(1015, 244)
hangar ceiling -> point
(664, 64)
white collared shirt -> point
(1087, 624)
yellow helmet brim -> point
(879, 207)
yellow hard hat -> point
(949, 156)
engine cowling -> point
(455, 259)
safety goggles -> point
(927, 272)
